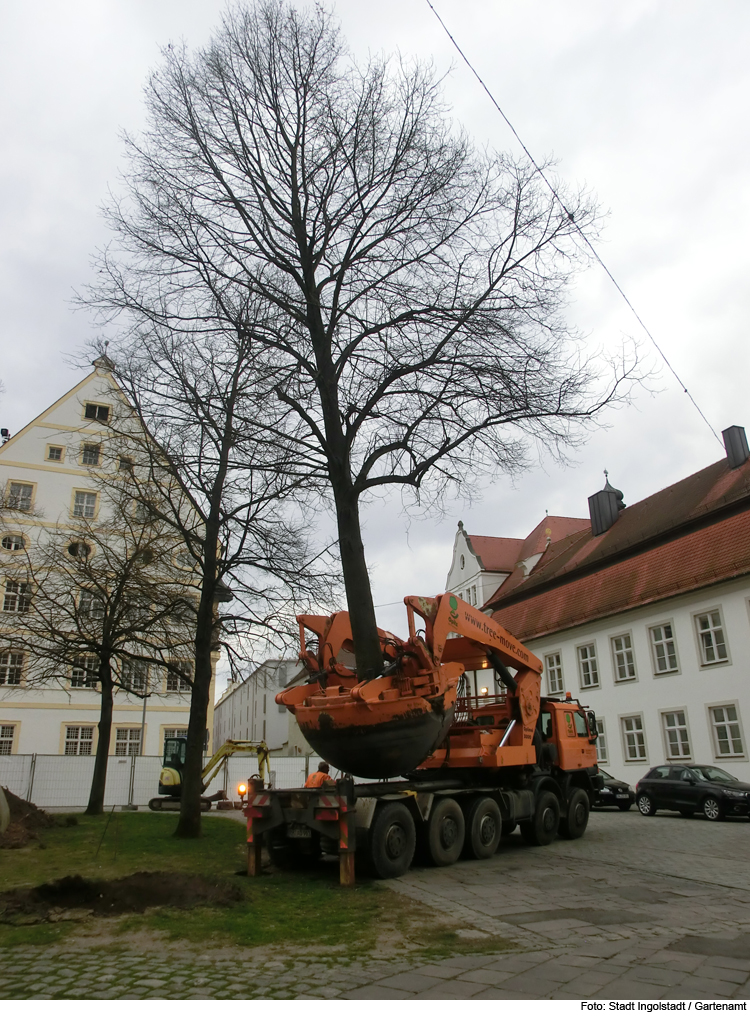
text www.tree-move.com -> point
(663, 1004)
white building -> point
(45, 477)
(645, 616)
(247, 710)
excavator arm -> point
(230, 747)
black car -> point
(689, 788)
(614, 793)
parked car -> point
(614, 793)
(689, 788)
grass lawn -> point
(278, 908)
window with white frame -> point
(601, 742)
(553, 662)
(727, 734)
(13, 542)
(134, 675)
(633, 737)
(90, 605)
(676, 738)
(622, 657)
(17, 598)
(711, 637)
(85, 673)
(175, 683)
(11, 667)
(663, 648)
(127, 742)
(90, 454)
(20, 495)
(84, 504)
(79, 740)
(587, 666)
(474, 595)
(96, 412)
(7, 734)
(175, 733)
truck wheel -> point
(446, 831)
(484, 824)
(573, 825)
(542, 828)
(392, 841)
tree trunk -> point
(99, 781)
(367, 651)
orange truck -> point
(451, 768)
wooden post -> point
(347, 832)
(253, 838)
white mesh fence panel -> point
(62, 781)
(146, 779)
(15, 773)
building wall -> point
(694, 688)
(470, 582)
(35, 716)
(248, 709)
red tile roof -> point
(691, 534)
(711, 554)
(496, 554)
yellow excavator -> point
(173, 765)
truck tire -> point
(446, 831)
(542, 828)
(484, 826)
(393, 837)
(573, 825)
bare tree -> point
(200, 474)
(98, 607)
(407, 290)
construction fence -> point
(60, 781)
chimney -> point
(604, 508)
(735, 443)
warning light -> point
(483, 691)
(242, 788)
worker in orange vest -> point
(319, 777)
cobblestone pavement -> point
(640, 908)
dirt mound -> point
(76, 896)
(25, 818)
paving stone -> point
(484, 976)
(738, 965)
(410, 981)
(376, 992)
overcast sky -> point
(646, 103)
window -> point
(663, 648)
(587, 666)
(633, 737)
(84, 504)
(126, 464)
(127, 742)
(463, 562)
(6, 739)
(79, 740)
(601, 743)
(17, 597)
(622, 656)
(79, 549)
(55, 453)
(96, 412)
(11, 667)
(13, 542)
(20, 495)
(676, 738)
(174, 682)
(85, 673)
(726, 731)
(90, 454)
(554, 672)
(711, 637)
(134, 675)
(474, 595)
(90, 604)
(175, 733)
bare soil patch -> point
(74, 897)
(25, 820)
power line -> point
(580, 231)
